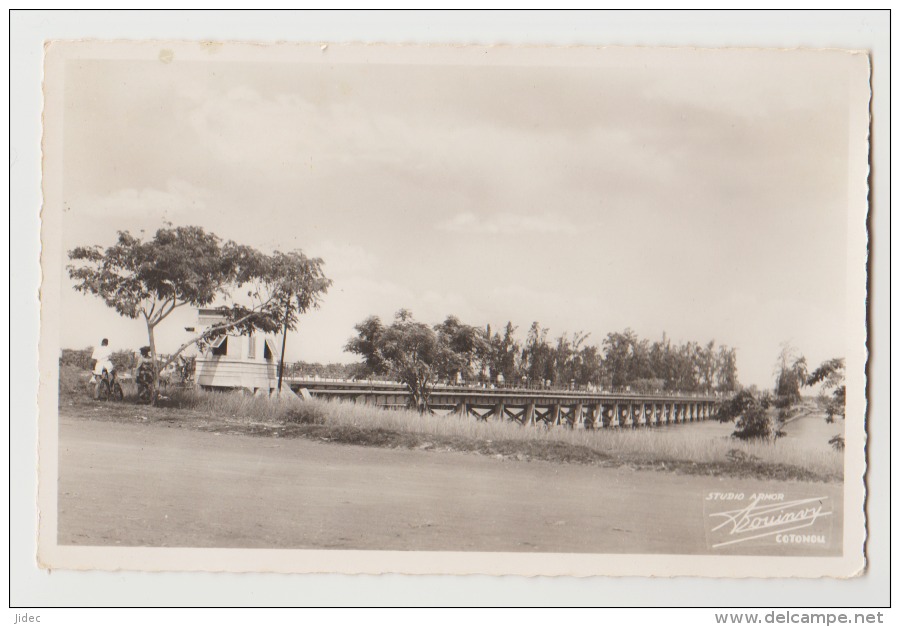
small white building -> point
(248, 362)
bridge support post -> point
(554, 414)
(598, 416)
(462, 408)
(497, 412)
(578, 416)
(528, 415)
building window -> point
(220, 349)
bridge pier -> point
(578, 416)
(590, 417)
(528, 415)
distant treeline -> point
(81, 358)
(623, 360)
(304, 369)
(455, 352)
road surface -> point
(158, 485)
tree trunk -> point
(423, 404)
(284, 330)
(154, 390)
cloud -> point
(343, 259)
(176, 199)
(95, 218)
(509, 223)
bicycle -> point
(107, 386)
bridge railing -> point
(374, 385)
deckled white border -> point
(417, 562)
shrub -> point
(754, 424)
(76, 358)
(751, 416)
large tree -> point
(183, 266)
(414, 353)
(790, 376)
(299, 285)
(466, 344)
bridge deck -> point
(356, 388)
(582, 409)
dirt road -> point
(159, 485)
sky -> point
(701, 194)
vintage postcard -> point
(312, 308)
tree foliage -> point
(831, 375)
(182, 266)
(790, 376)
(416, 354)
(752, 414)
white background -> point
(31, 588)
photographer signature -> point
(759, 521)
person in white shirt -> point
(102, 356)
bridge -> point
(575, 409)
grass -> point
(695, 449)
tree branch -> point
(210, 331)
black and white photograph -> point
(528, 310)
